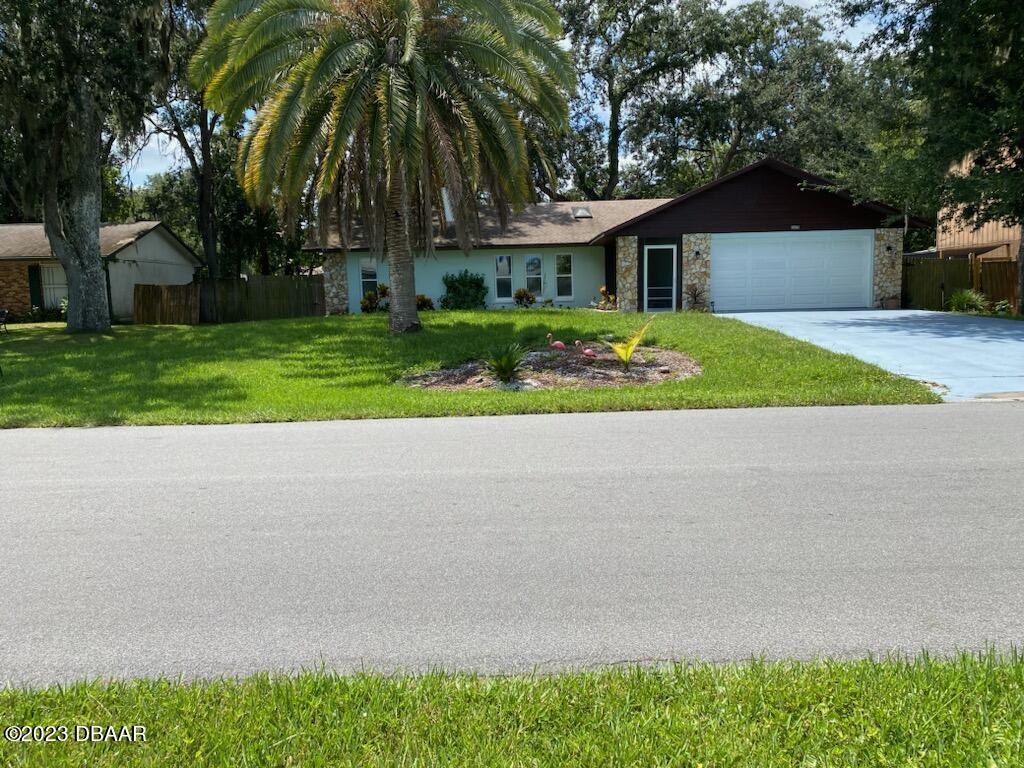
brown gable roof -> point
(538, 225)
(28, 241)
(777, 165)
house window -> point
(534, 279)
(368, 274)
(503, 278)
(563, 276)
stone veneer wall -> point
(625, 273)
(14, 293)
(888, 271)
(696, 268)
(336, 283)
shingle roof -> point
(28, 241)
(542, 224)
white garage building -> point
(766, 237)
(144, 252)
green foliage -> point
(505, 362)
(244, 233)
(424, 303)
(965, 710)
(967, 300)
(464, 290)
(971, 87)
(624, 52)
(375, 301)
(524, 298)
(384, 106)
(624, 349)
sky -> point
(160, 154)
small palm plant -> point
(624, 349)
(967, 300)
(505, 362)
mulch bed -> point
(552, 369)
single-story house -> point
(143, 252)
(768, 236)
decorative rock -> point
(888, 268)
(696, 265)
(625, 273)
(335, 284)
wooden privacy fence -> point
(928, 282)
(166, 304)
(997, 280)
(230, 300)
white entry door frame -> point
(660, 265)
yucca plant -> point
(967, 300)
(384, 104)
(505, 362)
(624, 349)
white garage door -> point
(791, 270)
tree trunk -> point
(204, 183)
(401, 271)
(614, 140)
(261, 245)
(71, 219)
(1020, 278)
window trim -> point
(511, 280)
(539, 276)
(376, 275)
(570, 274)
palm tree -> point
(380, 107)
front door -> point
(659, 278)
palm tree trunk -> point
(401, 271)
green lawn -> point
(346, 367)
(965, 711)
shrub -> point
(375, 301)
(607, 301)
(696, 298)
(967, 300)
(624, 349)
(505, 362)
(369, 303)
(423, 303)
(1001, 307)
(465, 290)
(524, 298)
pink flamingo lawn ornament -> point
(585, 351)
(560, 346)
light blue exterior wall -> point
(587, 267)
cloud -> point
(157, 156)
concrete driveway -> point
(969, 356)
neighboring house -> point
(956, 238)
(992, 240)
(144, 252)
(764, 237)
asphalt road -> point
(512, 543)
